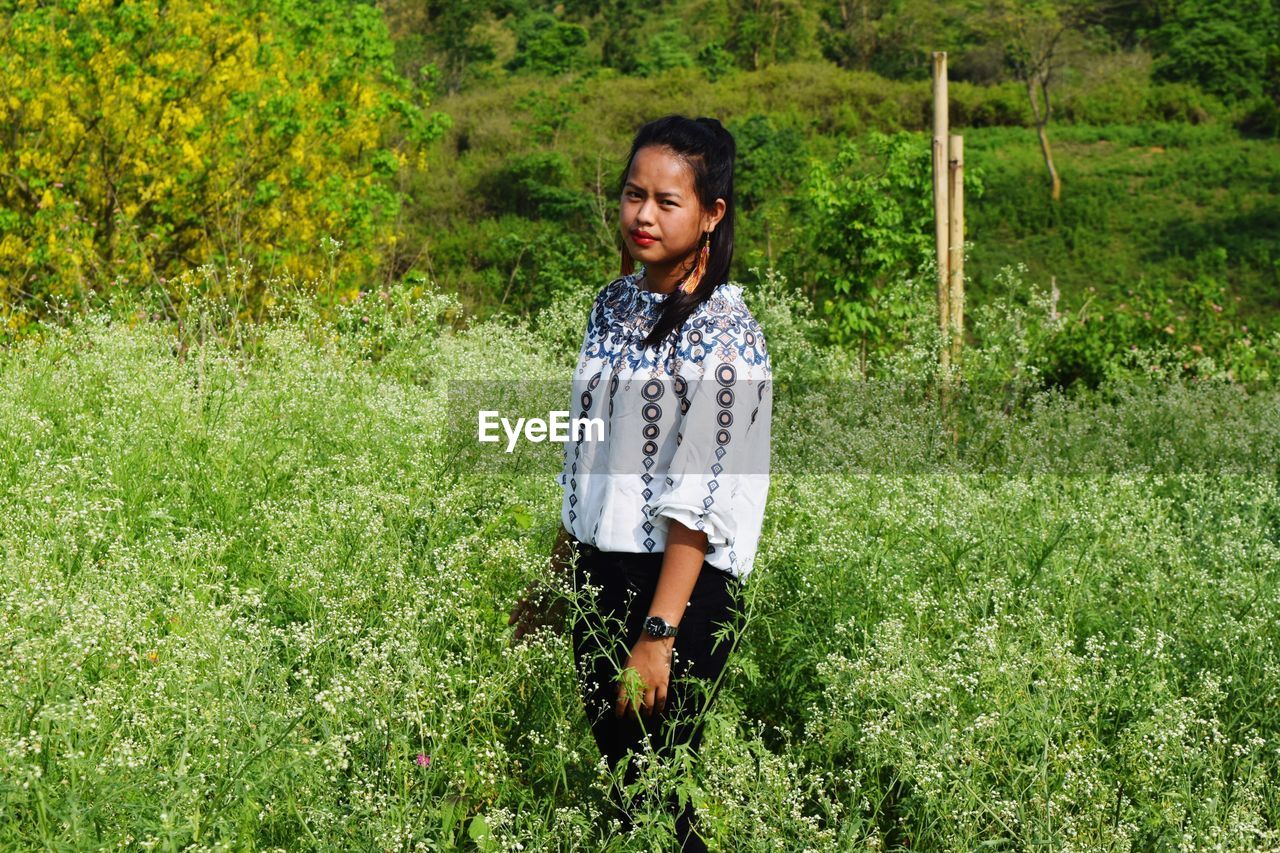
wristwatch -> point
(658, 628)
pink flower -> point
(423, 760)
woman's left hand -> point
(650, 662)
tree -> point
(144, 139)
(1220, 47)
(890, 37)
(763, 32)
(447, 31)
(1038, 37)
(865, 221)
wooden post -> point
(941, 124)
(955, 261)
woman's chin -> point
(649, 254)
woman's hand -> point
(650, 665)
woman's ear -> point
(711, 220)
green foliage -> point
(548, 46)
(517, 265)
(549, 113)
(1175, 210)
(765, 32)
(715, 61)
(987, 106)
(1261, 116)
(1222, 47)
(865, 224)
(668, 46)
(536, 186)
(1194, 332)
(771, 159)
(144, 139)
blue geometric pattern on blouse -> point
(721, 326)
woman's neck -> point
(660, 281)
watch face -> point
(656, 627)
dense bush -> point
(864, 221)
(144, 139)
(1223, 48)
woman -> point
(663, 513)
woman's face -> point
(659, 200)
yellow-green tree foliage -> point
(141, 139)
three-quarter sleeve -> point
(723, 441)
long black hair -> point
(710, 150)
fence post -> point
(941, 217)
(955, 263)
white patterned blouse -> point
(683, 430)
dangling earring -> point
(700, 268)
(628, 262)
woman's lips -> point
(643, 241)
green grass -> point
(244, 589)
(1163, 205)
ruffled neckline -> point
(633, 284)
(650, 296)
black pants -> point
(606, 625)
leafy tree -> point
(441, 33)
(865, 222)
(770, 159)
(715, 61)
(764, 32)
(537, 186)
(1222, 47)
(548, 45)
(890, 37)
(549, 113)
(771, 163)
(616, 24)
(1038, 37)
(668, 47)
(143, 139)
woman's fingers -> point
(660, 700)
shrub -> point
(145, 139)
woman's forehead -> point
(658, 169)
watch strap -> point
(670, 629)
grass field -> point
(249, 603)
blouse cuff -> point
(719, 533)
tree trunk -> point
(1042, 131)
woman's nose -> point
(644, 216)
